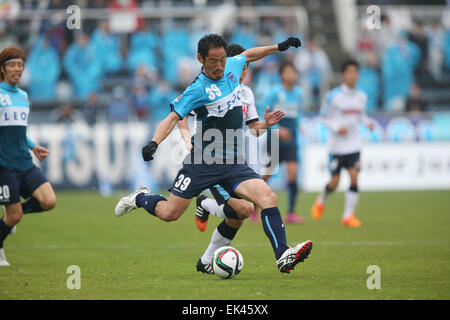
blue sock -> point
(292, 195)
(274, 229)
(149, 201)
(4, 232)
(31, 206)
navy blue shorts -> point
(192, 179)
(15, 184)
(287, 153)
(337, 162)
(221, 195)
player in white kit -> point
(342, 112)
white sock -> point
(351, 200)
(217, 241)
(322, 198)
(213, 207)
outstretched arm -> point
(162, 131)
(183, 126)
(270, 119)
(257, 53)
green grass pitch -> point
(405, 234)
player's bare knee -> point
(14, 217)
(246, 210)
(49, 203)
(272, 199)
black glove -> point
(290, 42)
(149, 150)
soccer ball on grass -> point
(227, 262)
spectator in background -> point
(55, 26)
(383, 37)
(143, 46)
(436, 36)
(143, 81)
(315, 71)
(418, 37)
(397, 69)
(119, 108)
(8, 38)
(245, 36)
(369, 80)
(188, 69)
(160, 98)
(447, 50)
(66, 114)
(107, 46)
(93, 110)
(44, 69)
(140, 100)
(145, 77)
(415, 103)
(285, 31)
(175, 45)
(83, 66)
(266, 78)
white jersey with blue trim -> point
(248, 105)
(344, 107)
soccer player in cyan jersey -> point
(342, 112)
(19, 177)
(215, 158)
(223, 205)
(287, 96)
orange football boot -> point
(351, 221)
(317, 210)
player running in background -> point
(19, 177)
(287, 96)
(215, 158)
(342, 112)
(223, 205)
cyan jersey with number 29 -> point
(218, 107)
(14, 144)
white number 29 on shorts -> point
(182, 182)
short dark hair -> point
(234, 49)
(348, 63)
(285, 65)
(210, 41)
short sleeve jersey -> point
(217, 105)
(289, 101)
(14, 145)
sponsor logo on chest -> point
(14, 116)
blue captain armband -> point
(31, 144)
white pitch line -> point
(239, 244)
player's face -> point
(350, 76)
(289, 76)
(214, 63)
(12, 72)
